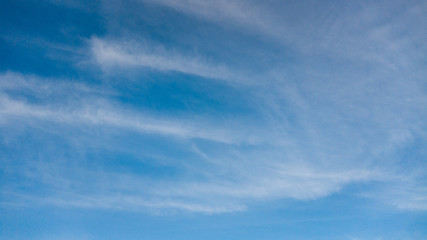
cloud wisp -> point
(111, 55)
(319, 128)
(235, 177)
(302, 161)
(350, 34)
(97, 111)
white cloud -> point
(252, 16)
(329, 129)
(111, 55)
(98, 111)
(357, 32)
(109, 190)
(408, 193)
(316, 157)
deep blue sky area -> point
(213, 119)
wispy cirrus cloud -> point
(95, 110)
(83, 188)
(213, 118)
(252, 16)
(351, 34)
(321, 128)
(235, 176)
(92, 115)
(116, 55)
(285, 163)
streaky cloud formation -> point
(94, 111)
(129, 55)
(337, 33)
(279, 179)
(289, 170)
(213, 119)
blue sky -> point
(214, 119)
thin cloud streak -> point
(239, 13)
(280, 175)
(257, 179)
(110, 55)
(137, 203)
(353, 35)
(11, 109)
(132, 192)
(97, 111)
(341, 128)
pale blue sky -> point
(238, 119)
